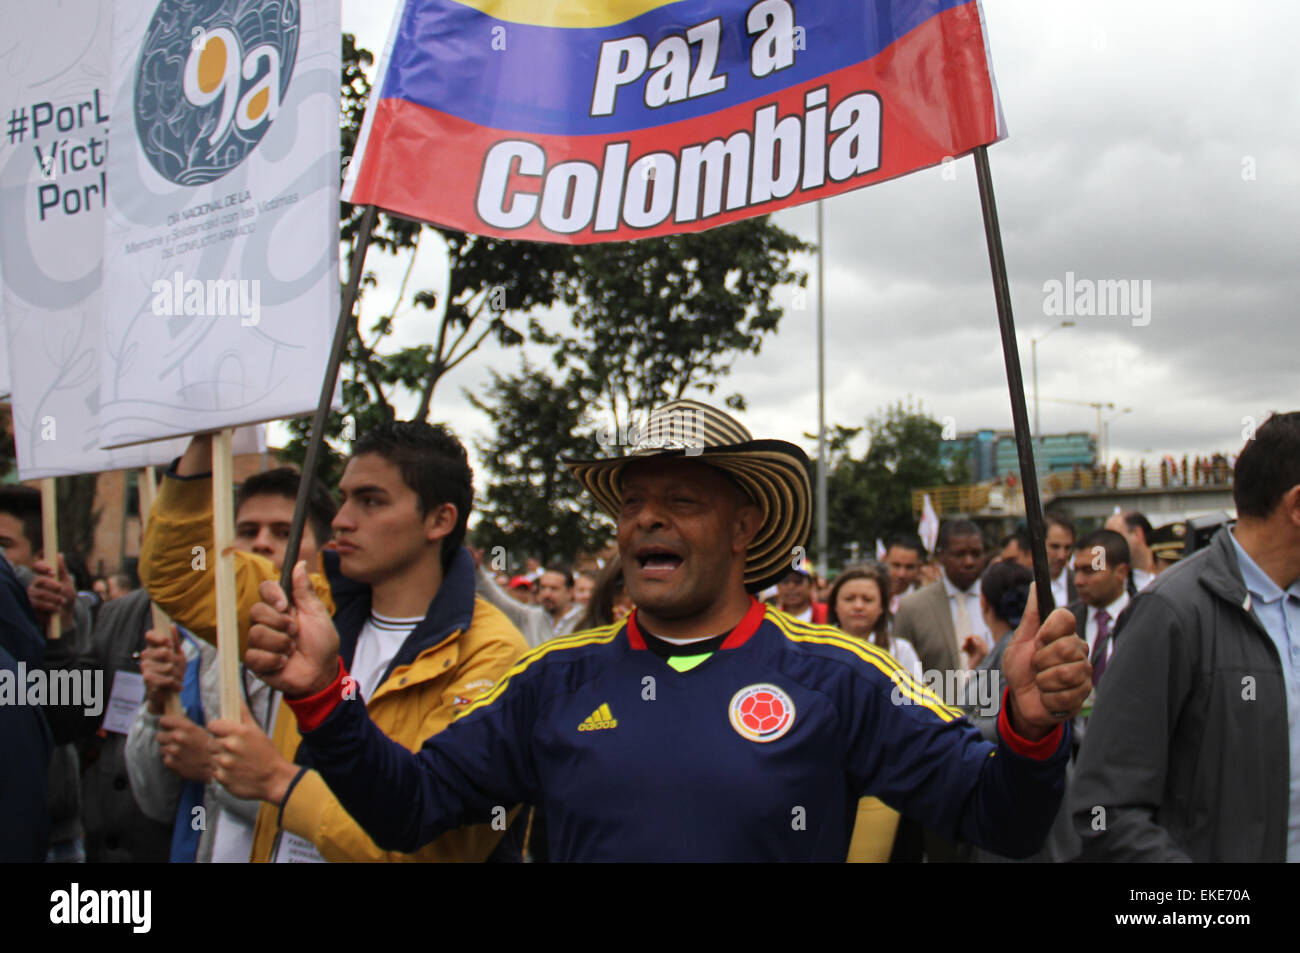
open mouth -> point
(657, 561)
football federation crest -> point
(761, 712)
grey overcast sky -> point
(1152, 141)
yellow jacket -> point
(457, 653)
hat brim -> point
(773, 473)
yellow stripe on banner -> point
(605, 713)
(566, 13)
(589, 637)
(908, 687)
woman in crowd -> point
(1004, 593)
(609, 601)
(859, 604)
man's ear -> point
(1291, 505)
(440, 521)
(747, 524)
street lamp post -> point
(1106, 438)
(1033, 351)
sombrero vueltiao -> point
(773, 473)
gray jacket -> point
(158, 789)
(1187, 755)
(534, 622)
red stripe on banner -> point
(925, 98)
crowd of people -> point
(700, 693)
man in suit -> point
(941, 618)
(904, 558)
(1060, 545)
(1016, 548)
(1101, 575)
(1137, 532)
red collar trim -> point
(739, 635)
(634, 637)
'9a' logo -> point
(211, 80)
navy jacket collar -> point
(450, 611)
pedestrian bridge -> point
(1086, 496)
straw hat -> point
(773, 473)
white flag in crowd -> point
(929, 526)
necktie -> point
(962, 626)
(1099, 647)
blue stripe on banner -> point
(541, 79)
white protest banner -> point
(4, 353)
(221, 237)
(53, 160)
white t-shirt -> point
(378, 642)
(903, 650)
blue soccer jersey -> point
(760, 752)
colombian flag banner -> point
(608, 120)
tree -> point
(871, 497)
(532, 506)
(657, 317)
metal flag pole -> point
(1016, 384)
(356, 261)
(822, 556)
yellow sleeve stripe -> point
(794, 627)
(907, 685)
(576, 640)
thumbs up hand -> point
(293, 648)
(1047, 671)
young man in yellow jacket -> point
(400, 585)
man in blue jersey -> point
(706, 726)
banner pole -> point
(147, 487)
(223, 536)
(1016, 384)
(356, 261)
(823, 555)
(50, 543)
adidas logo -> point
(602, 717)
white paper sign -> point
(54, 115)
(221, 236)
(123, 701)
(297, 850)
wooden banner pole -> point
(1016, 384)
(50, 542)
(146, 485)
(223, 534)
(356, 262)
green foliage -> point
(871, 497)
(654, 318)
(532, 506)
